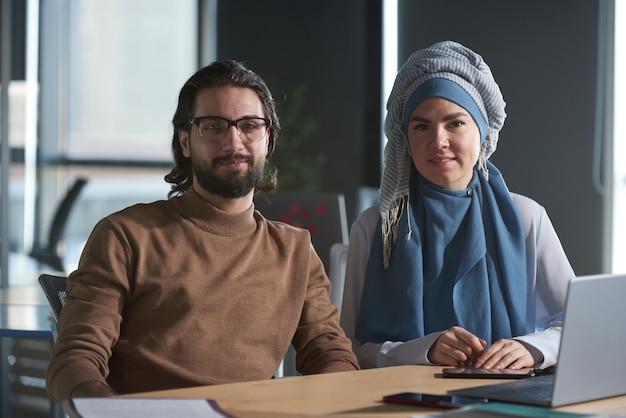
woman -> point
(451, 268)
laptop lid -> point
(593, 340)
(589, 362)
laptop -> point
(590, 361)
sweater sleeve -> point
(320, 343)
(89, 325)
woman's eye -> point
(420, 127)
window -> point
(110, 76)
(126, 62)
(619, 143)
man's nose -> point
(232, 139)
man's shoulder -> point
(284, 231)
(141, 211)
(284, 227)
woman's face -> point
(444, 142)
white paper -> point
(145, 407)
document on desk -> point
(145, 407)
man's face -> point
(227, 165)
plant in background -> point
(298, 168)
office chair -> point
(48, 253)
(366, 196)
(337, 272)
(54, 287)
(323, 214)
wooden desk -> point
(348, 394)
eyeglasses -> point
(214, 128)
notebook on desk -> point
(590, 362)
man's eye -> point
(249, 126)
(211, 127)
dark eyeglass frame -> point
(230, 122)
(243, 134)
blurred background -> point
(92, 87)
(89, 87)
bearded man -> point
(200, 288)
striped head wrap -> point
(448, 61)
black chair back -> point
(54, 288)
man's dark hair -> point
(219, 74)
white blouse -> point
(548, 271)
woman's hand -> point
(456, 347)
(506, 354)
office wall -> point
(333, 49)
(544, 57)
(543, 54)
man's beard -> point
(232, 184)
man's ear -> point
(268, 151)
(183, 139)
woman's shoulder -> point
(530, 211)
(368, 218)
(525, 203)
(369, 214)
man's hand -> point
(456, 347)
(92, 389)
(88, 390)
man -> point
(199, 289)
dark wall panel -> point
(544, 56)
(325, 46)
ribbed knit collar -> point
(215, 221)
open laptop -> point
(590, 362)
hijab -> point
(444, 257)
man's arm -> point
(89, 325)
(320, 343)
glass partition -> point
(619, 143)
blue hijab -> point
(443, 257)
(462, 263)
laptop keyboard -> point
(537, 390)
(534, 391)
(534, 388)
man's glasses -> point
(214, 128)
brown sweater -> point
(177, 293)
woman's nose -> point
(441, 137)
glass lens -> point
(251, 128)
(212, 129)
